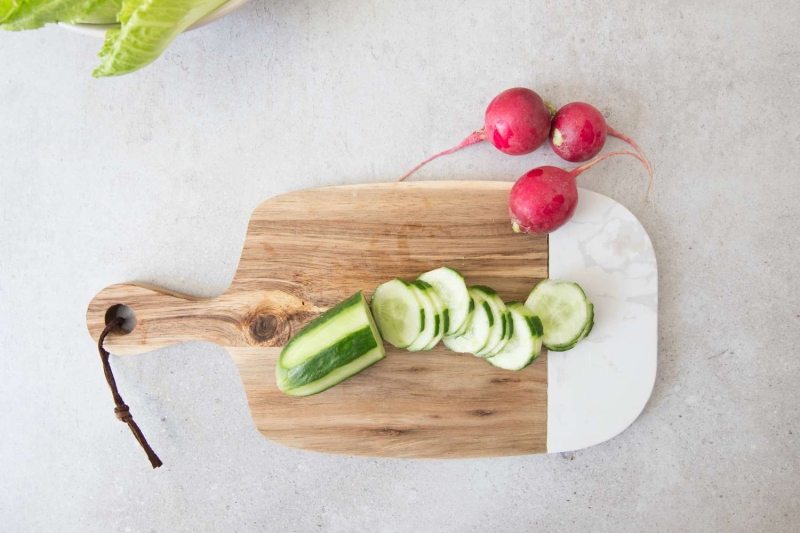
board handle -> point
(164, 318)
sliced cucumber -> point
(510, 323)
(585, 332)
(509, 332)
(336, 345)
(525, 343)
(433, 320)
(440, 308)
(477, 334)
(453, 291)
(497, 336)
(399, 314)
(590, 325)
(564, 311)
(463, 329)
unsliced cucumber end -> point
(340, 374)
(336, 345)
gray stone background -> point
(152, 177)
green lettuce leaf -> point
(106, 13)
(7, 8)
(31, 14)
(147, 28)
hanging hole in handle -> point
(126, 313)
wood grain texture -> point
(306, 251)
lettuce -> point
(31, 14)
(147, 27)
(7, 8)
(106, 13)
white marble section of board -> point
(598, 388)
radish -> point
(579, 132)
(545, 198)
(517, 122)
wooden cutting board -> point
(304, 252)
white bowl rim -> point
(99, 30)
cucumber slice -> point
(440, 309)
(585, 332)
(590, 325)
(399, 314)
(453, 291)
(525, 343)
(563, 309)
(509, 332)
(477, 334)
(341, 342)
(433, 321)
(510, 324)
(497, 336)
(463, 329)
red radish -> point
(579, 132)
(517, 122)
(545, 198)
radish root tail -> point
(474, 138)
(651, 183)
(578, 170)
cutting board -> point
(304, 252)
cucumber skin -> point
(486, 290)
(362, 342)
(465, 326)
(491, 294)
(536, 324)
(441, 320)
(424, 288)
(322, 319)
(488, 309)
(324, 362)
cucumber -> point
(477, 335)
(564, 311)
(525, 343)
(590, 325)
(341, 342)
(440, 308)
(509, 332)
(433, 320)
(463, 329)
(497, 336)
(399, 314)
(585, 332)
(449, 283)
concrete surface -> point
(152, 177)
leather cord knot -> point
(122, 410)
(123, 413)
